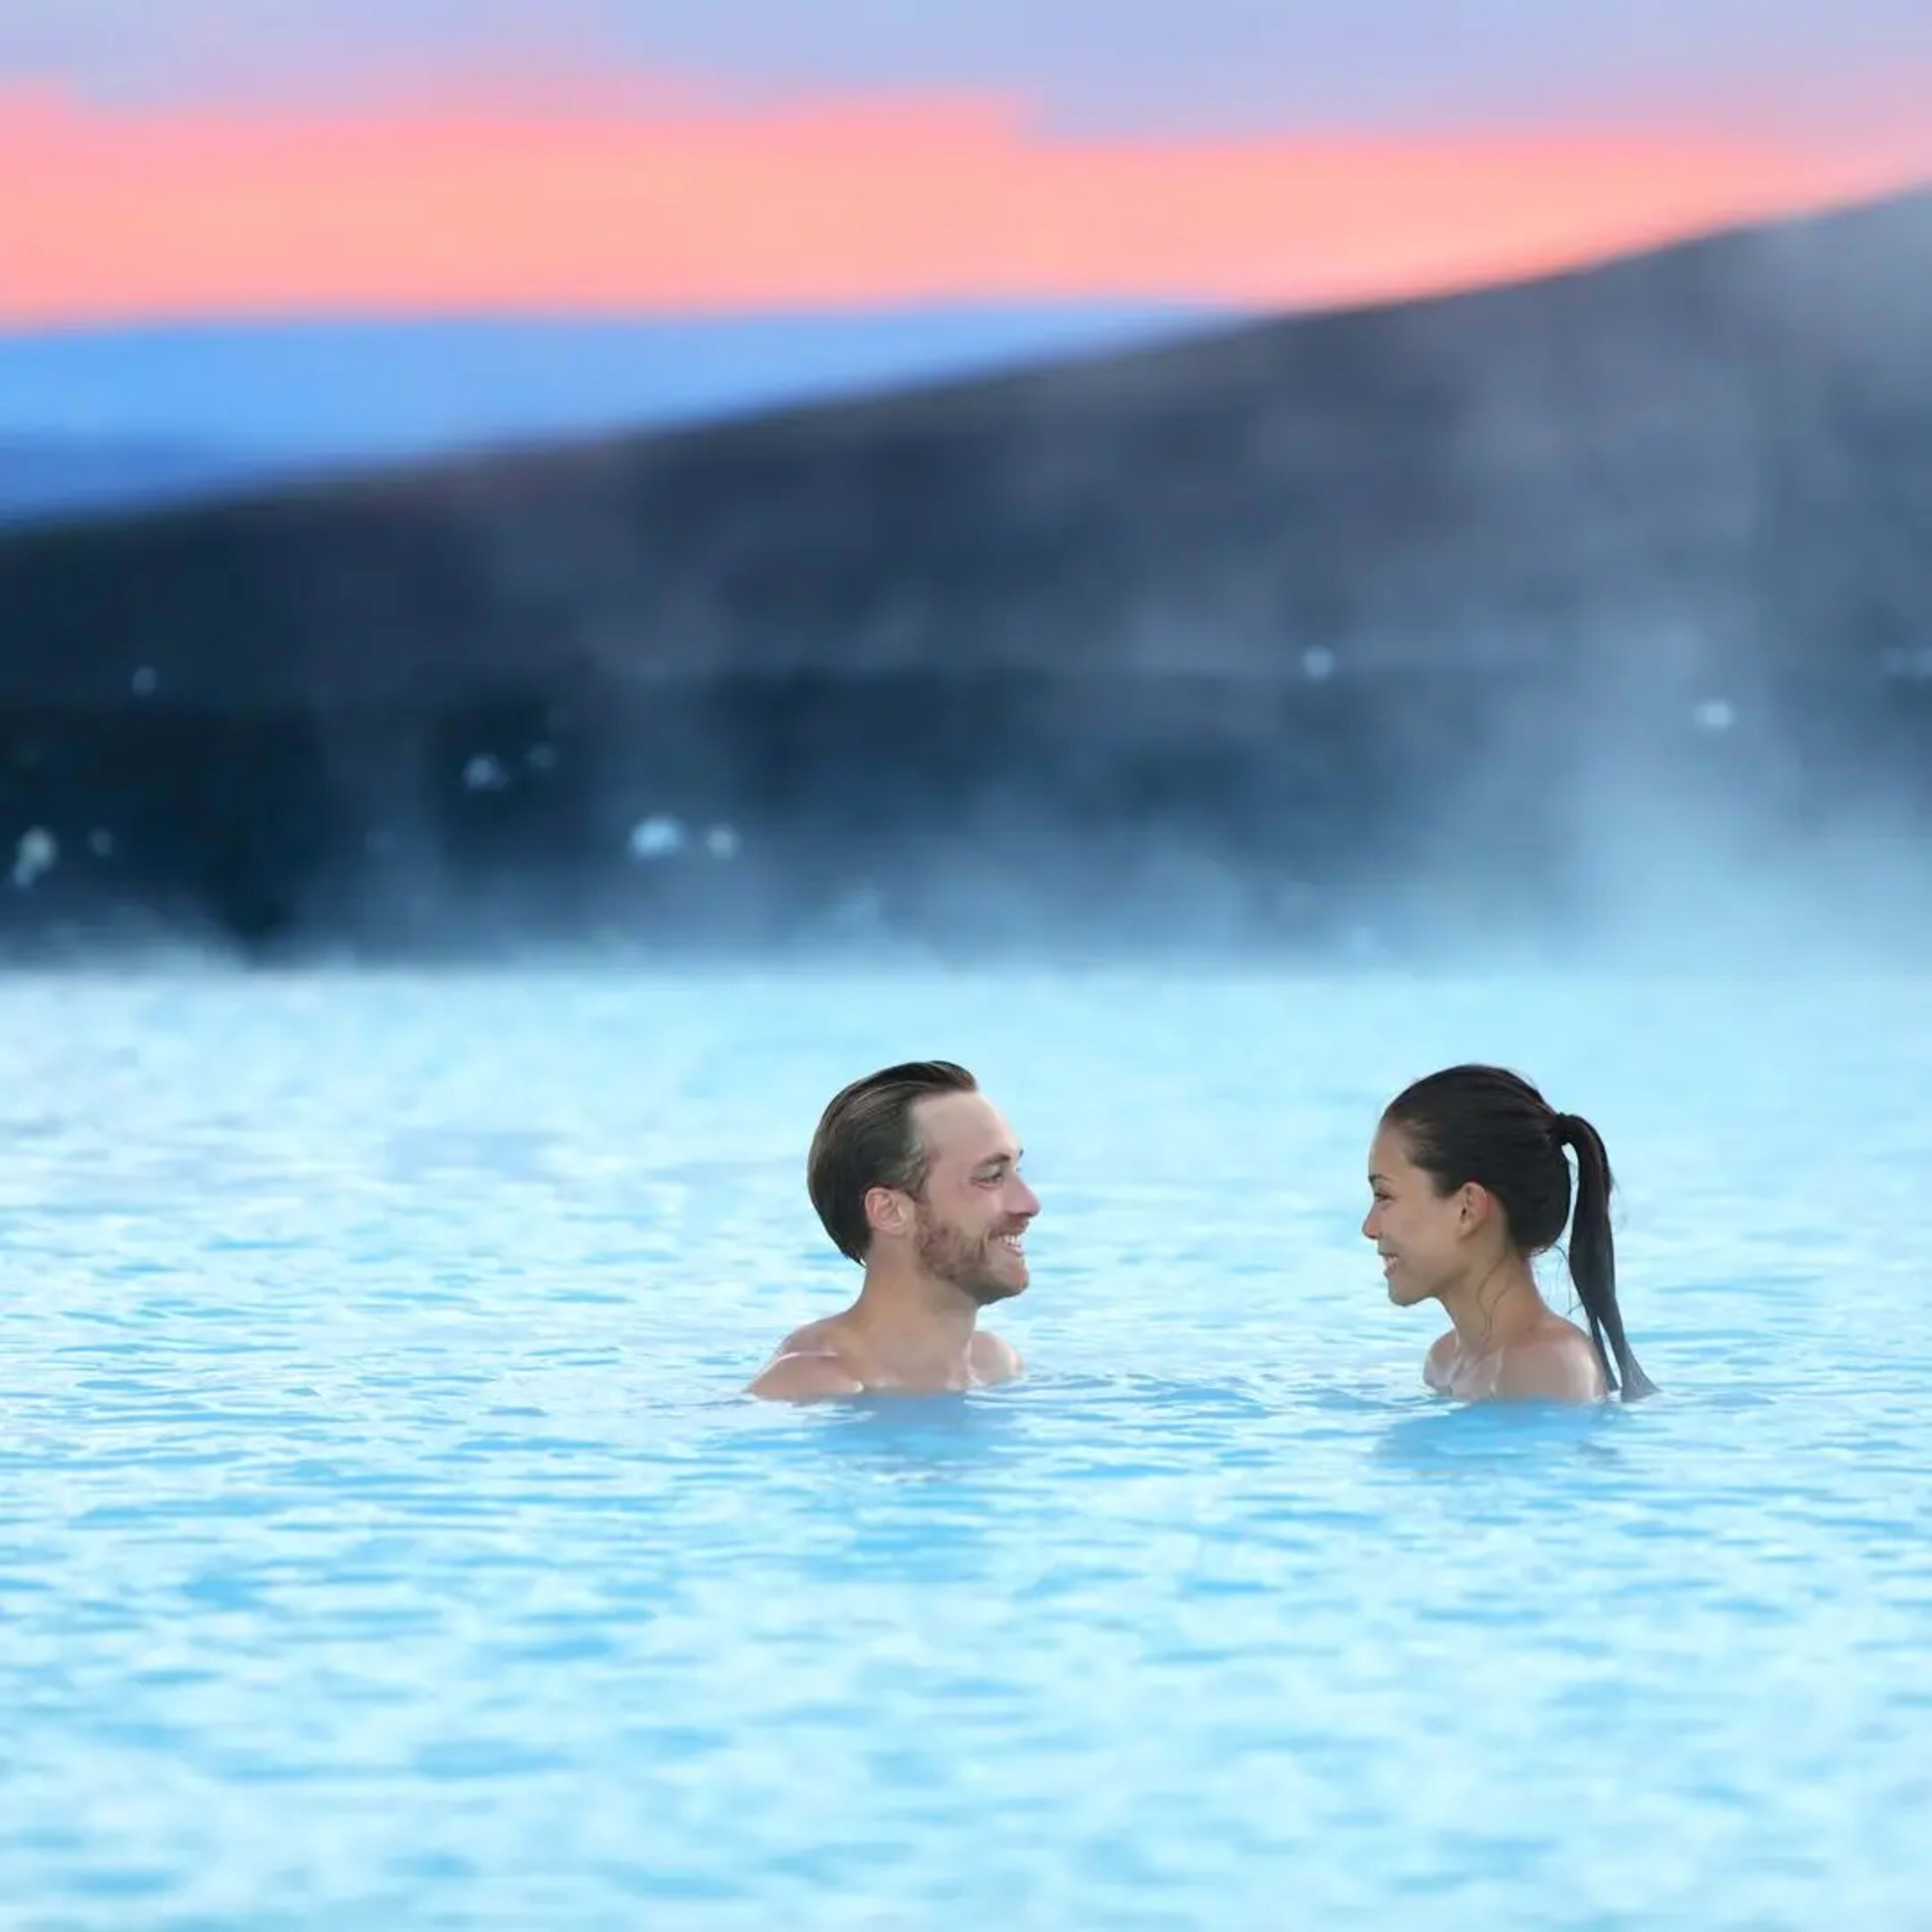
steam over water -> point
(387, 1543)
(1545, 674)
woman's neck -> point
(1494, 1307)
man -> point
(915, 1177)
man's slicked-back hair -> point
(867, 1138)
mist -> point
(1585, 621)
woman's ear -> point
(1475, 1204)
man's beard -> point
(962, 1262)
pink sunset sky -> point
(600, 158)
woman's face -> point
(1419, 1234)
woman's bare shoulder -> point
(1559, 1364)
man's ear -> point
(888, 1211)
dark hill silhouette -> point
(1348, 608)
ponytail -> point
(1593, 1258)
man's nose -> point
(1028, 1202)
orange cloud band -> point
(107, 215)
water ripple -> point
(384, 1541)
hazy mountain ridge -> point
(1327, 608)
(117, 416)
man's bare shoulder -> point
(1560, 1365)
(804, 1378)
(825, 1337)
(807, 1365)
(993, 1361)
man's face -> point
(971, 1219)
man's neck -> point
(913, 1325)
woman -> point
(1471, 1181)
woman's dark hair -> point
(1489, 1126)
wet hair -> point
(1489, 1126)
(866, 1138)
